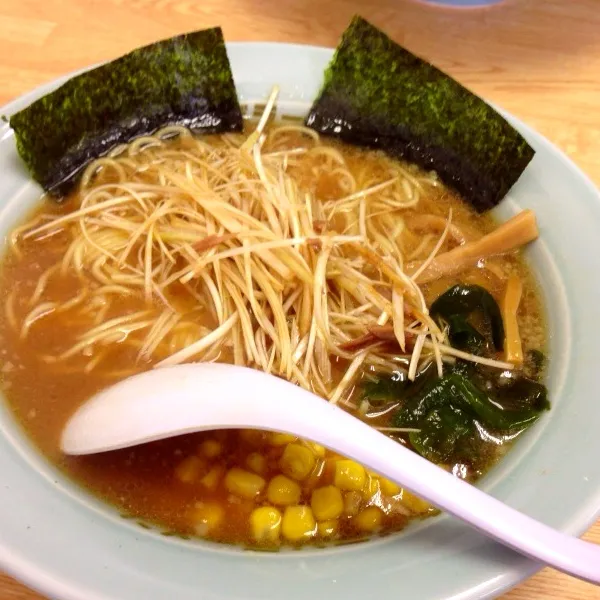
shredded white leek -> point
(222, 248)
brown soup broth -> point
(159, 482)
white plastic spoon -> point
(195, 397)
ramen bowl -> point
(61, 540)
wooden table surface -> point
(539, 59)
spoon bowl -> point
(188, 398)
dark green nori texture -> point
(377, 94)
(184, 80)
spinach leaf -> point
(388, 388)
(464, 336)
(380, 390)
(446, 433)
(488, 409)
(419, 403)
(452, 412)
(522, 394)
(463, 300)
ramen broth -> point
(212, 484)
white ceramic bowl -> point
(58, 539)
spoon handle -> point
(351, 437)
(291, 409)
(194, 397)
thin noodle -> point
(234, 252)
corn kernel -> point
(298, 523)
(283, 491)
(317, 449)
(389, 488)
(265, 523)
(327, 503)
(211, 448)
(352, 502)
(327, 529)
(413, 503)
(207, 517)
(256, 462)
(189, 469)
(253, 437)
(281, 439)
(349, 475)
(297, 461)
(244, 483)
(211, 480)
(368, 519)
(371, 487)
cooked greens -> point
(460, 301)
(464, 336)
(446, 434)
(184, 80)
(463, 415)
(381, 389)
(455, 416)
(378, 94)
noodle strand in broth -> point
(275, 249)
(223, 227)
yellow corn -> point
(207, 517)
(327, 529)
(281, 439)
(389, 488)
(297, 461)
(368, 519)
(244, 483)
(317, 449)
(298, 523)
(371, 487)
(211, 480)
(413, 503)
(265, 523)
(256, 462)
(211, 448)
(254, 437)
(189, 469)
(283, 491)
(349, 475)
(327, 503)
(352, 502)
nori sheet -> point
(184, 80)
(379, 95)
